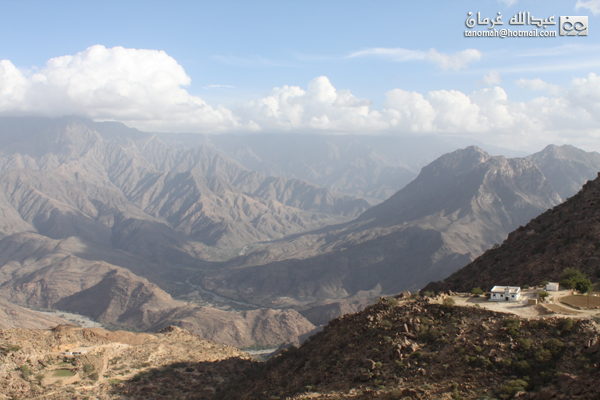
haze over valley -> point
(115, 224)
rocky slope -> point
(567, 236)
(169, 364)
(13, 316)
(458, 206)
(100, 211)
(424, 350)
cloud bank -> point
(146, 89)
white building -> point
(552, 286)
(505, 293)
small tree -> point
(575, 279)
(476, 292)
(542, 294)
(449, 303)
(584, 286)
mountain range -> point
(458, 207)
(116, 224)
(367, 166)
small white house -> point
(552, 286)
(505, 293)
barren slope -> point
(459, 206)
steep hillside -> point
(424, 350)
(12, 316)
(92, 224)
(35, 363)
(567, 236)
(458, 206)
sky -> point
(332, 67)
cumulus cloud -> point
(592, 5)
(456, 61)
(143, 88)
(539, 85)
(491, 79)
(321, 107)
(146, 89)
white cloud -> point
(508, 2)
(146, 89)
(321, 107)
(592, 5)
(143, 88)
(455, 61)
(491, 79)
(539, 85)
(487, 114)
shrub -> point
(538, 324)
(565, 324)
(522, 367)
(88, 368)
(10, 348)
(510, 323)
(524, 344)
(25, 371)
(392, 302)
(387, 324)
(476, 292)
(555, 346)
(449, 303)
(542, 355)
(542, 294)
(513, 387)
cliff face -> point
(566, 236)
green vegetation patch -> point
(60, 373)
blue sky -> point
(387, 67)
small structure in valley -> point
(505, 293)
(552, 286)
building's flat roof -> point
(503, 289)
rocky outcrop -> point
(427, 350)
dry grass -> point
(561, 310)
(581, 301)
